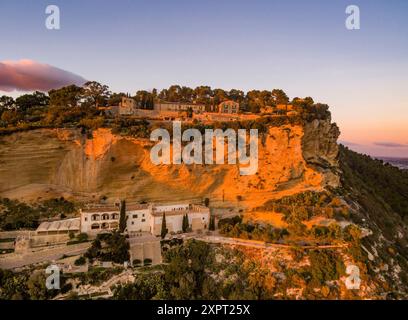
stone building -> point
(228, 106)
(178, 106)
(284, 107)
(127, 106)
(59, 227)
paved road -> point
(20, 260)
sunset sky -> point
(300, 46)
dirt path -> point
(264, 245)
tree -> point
(115, 248)
(145, 287)
(145, 99)
(236, 95)
(212, 223)
(219, 96)
(185, 223)
(68, 96)
(7, 102)
(185, 272)
(164, 229)
(280, 96)
(28, 101)
(122, 218)
(202, 94)
(10, 117)
(189, 112)
(80, 261)
(37, 288)
(96, 93)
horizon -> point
(302, 48)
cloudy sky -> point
(300, 46)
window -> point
(86, 219)
(143, 215)
(133, 222)
(135, 216)
(143, 220)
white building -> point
(145, 218)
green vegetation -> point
(109, 247)
(164, 229)
(122, 217)
(369, 177)
(211, 226)
(28, 285)
(80, 261)
(235, 228)
(325, 265)
(97, 275)
(16, 215)
(79, 238)
(197, 270)
(381, 192)
(185, 224)
(306, 205)
(145, 287)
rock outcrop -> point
(320, 149)
(63, 162)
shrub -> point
(80, 261)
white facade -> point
(145, 218)
(97, 220)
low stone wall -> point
(45, 240)
(15, 234)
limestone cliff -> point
(63, 162)
(320, 149)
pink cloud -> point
(28, 75)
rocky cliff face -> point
(46, 163)
(320, 149)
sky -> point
(302, 47)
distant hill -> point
(401, 163)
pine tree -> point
(163, 226)
(122, 218)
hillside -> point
(378, 194)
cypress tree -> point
(185, 223)
(163, 226)
(122, 217)
(212, 223)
